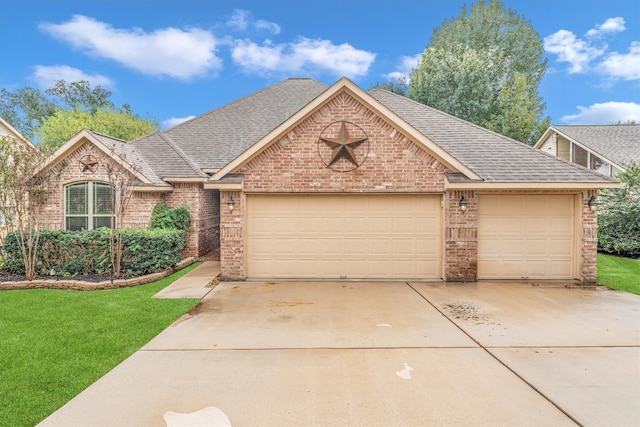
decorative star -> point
(343, 146)
(88, 163)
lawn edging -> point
(80, 285)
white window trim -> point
(90, 204)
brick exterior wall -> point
(203, 204)
(395, 164)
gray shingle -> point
(128, 152)
(618, 143)
(215, 138)
(492, 156)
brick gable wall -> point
(203, 204)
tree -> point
(485, 66)
(38, 115)
(619, 217)
(398, 86)
(22, 196)
(118, 123)
(122, 179)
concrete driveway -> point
(381, 354)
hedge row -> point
(72, 253)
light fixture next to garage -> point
(593, 203)
(231, 204)
(463, 204)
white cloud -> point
(611, 25)
(239, 20)
(47, 76)
(604, 114)
(175, 121)
(407, 64)
(303, 55)
(181, 54)
(624, 66)
(571, 49)
(271, 27)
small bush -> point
(72, 253)
(166, 218)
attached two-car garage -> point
(400, 236)
(344, 236)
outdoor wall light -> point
(593, 203)
(231, 204)
(463, 204)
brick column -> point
(589, 261)
(232, 236)
(461, 237)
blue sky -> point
(174, 60)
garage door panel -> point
(353, 236)
(526, 236)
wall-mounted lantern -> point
(231, 204)
(593, 203)
(463, 204)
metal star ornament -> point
(343, 146)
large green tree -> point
(118, 123)
(51, 117)
(485, 66)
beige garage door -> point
(343, 236)
(525, 237)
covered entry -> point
(526, 236)
(344, 236)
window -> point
(87, 206)
(599, 165)
(580, 156)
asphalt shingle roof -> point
(618, 143)
(492, 156)
(215, 138)
(131, 155)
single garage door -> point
(526, 236)
(343, 236)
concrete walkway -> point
(380, 354)
(195, 284)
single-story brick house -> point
(305, 180)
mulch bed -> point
(85, 282)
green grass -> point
(55, 343)
(619, 273)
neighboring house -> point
(8, 132)
(607, 149)
(304, 180)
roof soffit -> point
(345, 85)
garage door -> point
(343, 236)
(525, 237)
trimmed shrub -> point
(166, 218)
(72, 253)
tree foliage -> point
(51, 118)
(619, 217)
(485, 66)
(118, 123)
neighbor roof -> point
(619, 144)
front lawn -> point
(619, 273)
(55, 343)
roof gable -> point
(7, 130)
(343, 85)
(116, 149)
